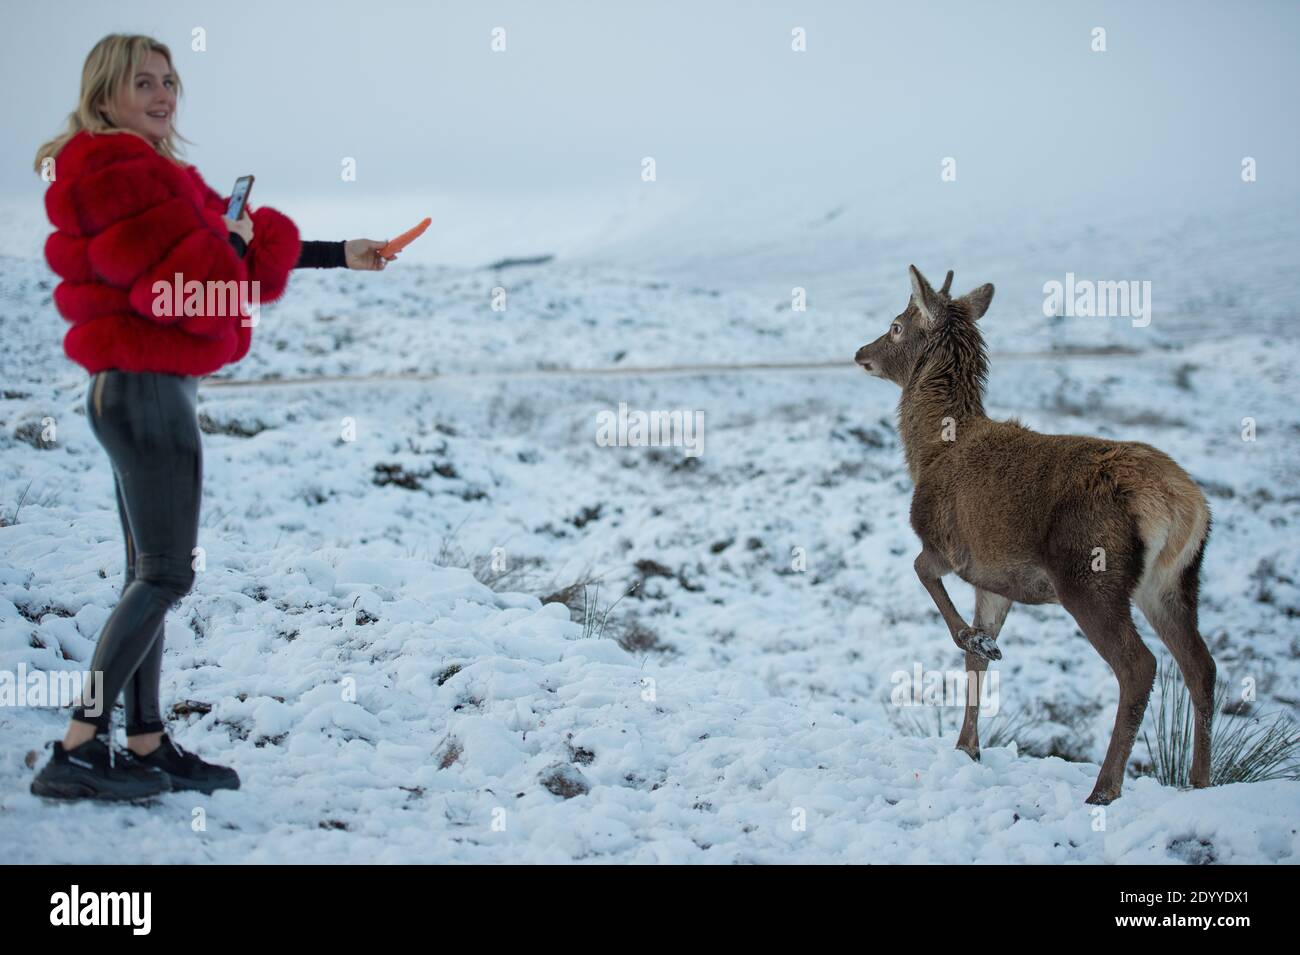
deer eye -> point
(895, 329)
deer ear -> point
(924, 296)
(977, 301)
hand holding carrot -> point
(371, 256)
(363, 254)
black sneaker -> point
(94, 770)
(187, 771)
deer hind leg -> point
(1170, 607)
(990, 613)
(1108, 625)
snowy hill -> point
(381, 702)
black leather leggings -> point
(147, 423)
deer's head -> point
(894, 355)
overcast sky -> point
(712, 91)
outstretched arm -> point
(361, 254)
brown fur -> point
(1021, 516)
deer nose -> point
(861, 358)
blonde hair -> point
(109, 69)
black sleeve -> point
(322, 255)
(240, 245)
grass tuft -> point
(1243, 748)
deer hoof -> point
(1103, 797)
(979, 643)
(970, 749)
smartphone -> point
(239, 197)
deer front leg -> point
(930, 566)
(990, 613)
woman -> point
(129, 214)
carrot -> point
(405, 239)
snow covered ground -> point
(383, 704)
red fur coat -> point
(128, 217)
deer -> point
(1091, 524)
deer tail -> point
(1173, 520)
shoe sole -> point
(180, 784)
(74, 790)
